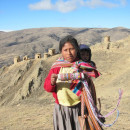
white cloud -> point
(60, 5)
(123, 2)
(6, 30)
(100, 3)
(67, 6)
(70, 5)
(42, 5)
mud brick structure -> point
(16, 59)
(37, 56)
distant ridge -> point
(38, 40)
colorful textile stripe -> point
(77, 89)
(77, 66)
(92, 73)
(70, 76)
(61, 63)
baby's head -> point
(85, 53)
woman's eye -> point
(65, 50)
(72, 49)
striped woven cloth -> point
(79, 65)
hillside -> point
(31, 41)
(25, 104)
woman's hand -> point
(53, 79)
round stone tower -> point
(51, 51)
(16, 59)
(45, 56)
(106, 39)
(25, 58)
(37, 56)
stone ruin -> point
(25, 58)
(16, 59)
(106, 39)
(107, 42)
(51, 52)
(38, 56)
(45, 56)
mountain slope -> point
(31, 41)
(24, 102)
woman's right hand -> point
(53, 79)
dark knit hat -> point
(83, 46)
(86, 48)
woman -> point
(67, 98)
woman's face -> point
(68, 52)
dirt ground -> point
(40, 116)
(26, 117)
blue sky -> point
(23, 14)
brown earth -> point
(25, 105)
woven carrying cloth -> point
(77, 66)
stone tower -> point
(107, 42)
(37, 56)
(45, 56)
(16, 59)
(25, 58)
(51, 52)
(106, 39)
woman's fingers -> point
(53, 79)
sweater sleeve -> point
(47, 84)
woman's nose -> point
(69, 52)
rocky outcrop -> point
(20, 80)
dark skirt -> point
(66, 118)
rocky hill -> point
(19, 81)
(31, 41)
(24, 102)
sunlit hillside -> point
(24, 102)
